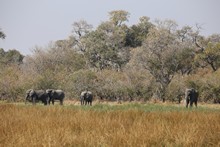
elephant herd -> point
(46, 96)
(51, 95)
(86, 97)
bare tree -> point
(80, 29)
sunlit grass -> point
(106, 125)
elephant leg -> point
(196, 104)
(191, 103)
(45, 103)
(90, 102)
(187, 103)
(61, 102)
(53, 101)
(26, 99)
(49, 100)
(34, 101)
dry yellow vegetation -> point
(74, 126)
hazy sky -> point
(28, 23)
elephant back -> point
(55, 94)
(59, 91)
(40, 94)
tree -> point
(118, 17)
(138, 33)
(56, 57)
(188, 50)
(2, 34)
(80, 29)
(11, 85)
(185, 60)
(103, 49)
(159, 54)
(211, 55)
(106, 45)
(10, 57)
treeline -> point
(148, 60)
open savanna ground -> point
(109, 125)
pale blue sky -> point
(28, 23)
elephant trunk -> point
(26, 99)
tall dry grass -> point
(67, 126)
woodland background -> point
(144, 61)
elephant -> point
(86, 97)
(36, 95)
(191, 96)
(55, 95)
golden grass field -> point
(105, 125)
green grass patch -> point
(142, 107)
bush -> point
(80, 81)
(176, 89)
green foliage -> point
(105, 47)
(118, 17)
(176, 89)
(10, 57)
(185, 61)
(138, 33)
(211, 55)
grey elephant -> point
(191, 96)
(55, 95)
(36, 96)
(86, 97)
